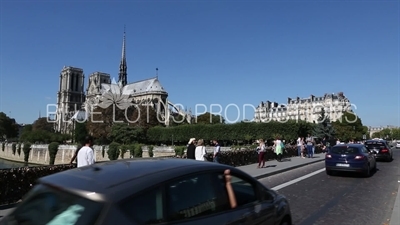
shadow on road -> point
(269, 166)
(354, 175)
(286, 160)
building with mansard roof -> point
(74, 104)
(306, 109)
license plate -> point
(342, 165)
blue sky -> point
(207, 52)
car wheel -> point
(328, 172)
(367, 173)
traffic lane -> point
(284, 177)
(345, 198)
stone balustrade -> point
(39, 153)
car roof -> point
(350, 145)
(102, 176)
(376, 140)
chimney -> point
(298, 98)
(288, 100)
(312, 97)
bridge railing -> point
(16, 182)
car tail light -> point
(328, 156)
(384, 150)
(359, 157)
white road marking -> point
(297, 179)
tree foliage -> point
(80, 132)
(208, 118)
(323, 128)
(101, 120)
(122, 126)
(388, 133)
(41, 131)
(42, 124)
(125, 134)
(8, 127)
(231, 133)
(349, 127)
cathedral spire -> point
(122, 66)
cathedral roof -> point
(142, 87)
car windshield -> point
(375, 145)
(47, 206)
(344, 150)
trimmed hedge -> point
(250, 156)
(245, 131)
(16, 182)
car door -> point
(197, 199)
(370, 155)
(253, 207)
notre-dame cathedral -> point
(74, 104)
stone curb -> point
(286, 169)
(395, 219)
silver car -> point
(151, 191)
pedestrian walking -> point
(261, 153)
(300, 143)
(191, 148)
(217, 151)
(86, 154)
(310, 145)
(200, 152)
(78, 147)
(278, 149)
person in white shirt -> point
(86, 154)
(200, 151)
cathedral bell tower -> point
(122, 75)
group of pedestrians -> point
(278, 149)
(306, 147)
(196, 150)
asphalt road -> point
(342, 199)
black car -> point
(151, 191)
(380, 149)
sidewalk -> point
(274, 167)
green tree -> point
(125, 134)
(323, 128)
(348, 127)
(208, 118)
(8, 126)
(25, 133)
(80, 132)
(100, 122)
(53, 149)
(43, 124)
(144, 117)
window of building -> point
(146, 208)
(196, 196)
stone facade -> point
(40, 154)
(70, 97)
(306, 109)
(74, 105)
